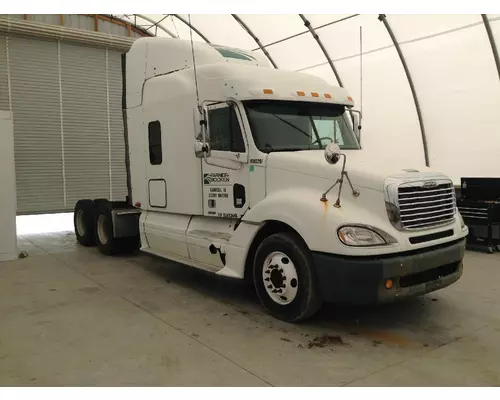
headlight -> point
(364, 236)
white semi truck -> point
(230, 165)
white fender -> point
(302, 210)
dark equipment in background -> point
(479, 204)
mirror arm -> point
(332, 156)
(340, 181)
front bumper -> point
(361, 280)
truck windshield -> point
(294, 126)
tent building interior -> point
(428, 87)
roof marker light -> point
(268, 91)
(328, 95)
(300, 93)
(314, 94)
(349, 98)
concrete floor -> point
(71, 316)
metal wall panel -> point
(35, 100)
(4, 80)
(12, 16)
(79, 22)
(53, 19)
(113, 29)
(118, 169)
(85, 122)
(68, 128)
(14, 27)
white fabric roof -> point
(449, 58)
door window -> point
(225, 131)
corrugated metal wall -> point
(34, 88)
(68, 129)
(78, 21)
(117, 149)
(4, 80)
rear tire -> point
(104, 232)
(104, 235)
(84, 222)
(285, 278)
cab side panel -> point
(170, 100)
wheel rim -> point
(80, 223)
(280, 278)
(101, 229)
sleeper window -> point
(225, 131)
(155, 151)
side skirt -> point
(182, 260)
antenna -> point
(361, 68)
(175, 26)
(194, 64)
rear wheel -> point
(285, 278)
(83, 221)
(104, 232)
(104, 235)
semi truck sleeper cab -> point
(232, 173)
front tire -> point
(285, 278)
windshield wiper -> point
(302, 131)
(268, 149)
(292, 125)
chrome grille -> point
(426, 206)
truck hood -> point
(363, 171)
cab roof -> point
(243, 74)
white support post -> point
(8, 201)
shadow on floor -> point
(354, 320)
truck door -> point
(225, 176)
(225, 172)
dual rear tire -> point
(94, 226)
(84, 221)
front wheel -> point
(285, 278)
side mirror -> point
(202, 145)
(332, 153)
(201, 150)
(356, 125)
(356, 117)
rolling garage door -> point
(68, 130)
(4, 85)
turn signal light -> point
(138, 204)
(388, 284)
(349, 98)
